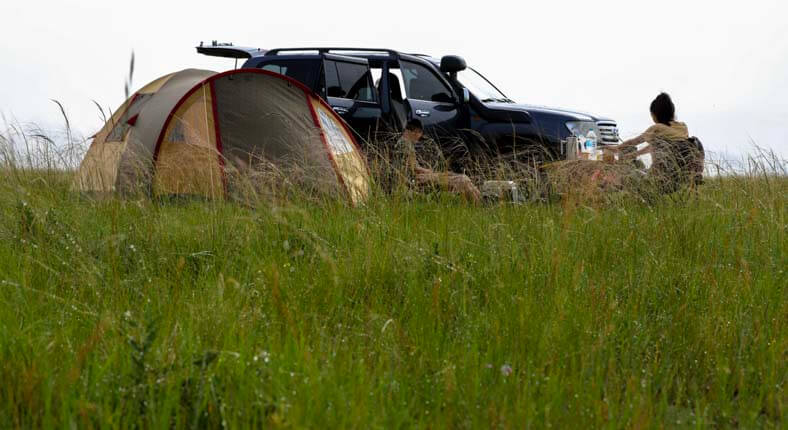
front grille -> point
(608, 133)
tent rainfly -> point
(185, 132)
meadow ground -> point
(405, 313)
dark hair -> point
(414, 125)
(663, 109)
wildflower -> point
(506, 370)
(265, 356)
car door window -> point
(349, 80)
(422, 84)
(333, 87)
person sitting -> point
(674, 154)
(406, 162)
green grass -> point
(424, 313)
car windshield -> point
(481, 87)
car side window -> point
(349, 80)
(302, 71)
(276, 68)
(422, 84)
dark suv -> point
(379, 90)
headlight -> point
(581, 128)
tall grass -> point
(413, 311)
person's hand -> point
(608, 156)
(630, 155)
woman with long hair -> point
(668, 142)
(665, 128)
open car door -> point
(429, 99)
(348, 87)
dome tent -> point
(185, 132)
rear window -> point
(349, 81)
(300, 70)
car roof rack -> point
(326, 50)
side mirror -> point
(466, 96)
(453, 64)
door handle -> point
(340, 110)
(423, 113)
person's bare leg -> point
(463, 185)
(453, 182)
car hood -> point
(568, 115)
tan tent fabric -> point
(156, 85)
(188, 132)
(100, 166)
(135, 169)
(188, 161)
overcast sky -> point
(724, 62)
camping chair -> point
(681, 164)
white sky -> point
(724, 62)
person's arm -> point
(635, 141)
(646, 137)
(646, 150)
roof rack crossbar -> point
(325, 50)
